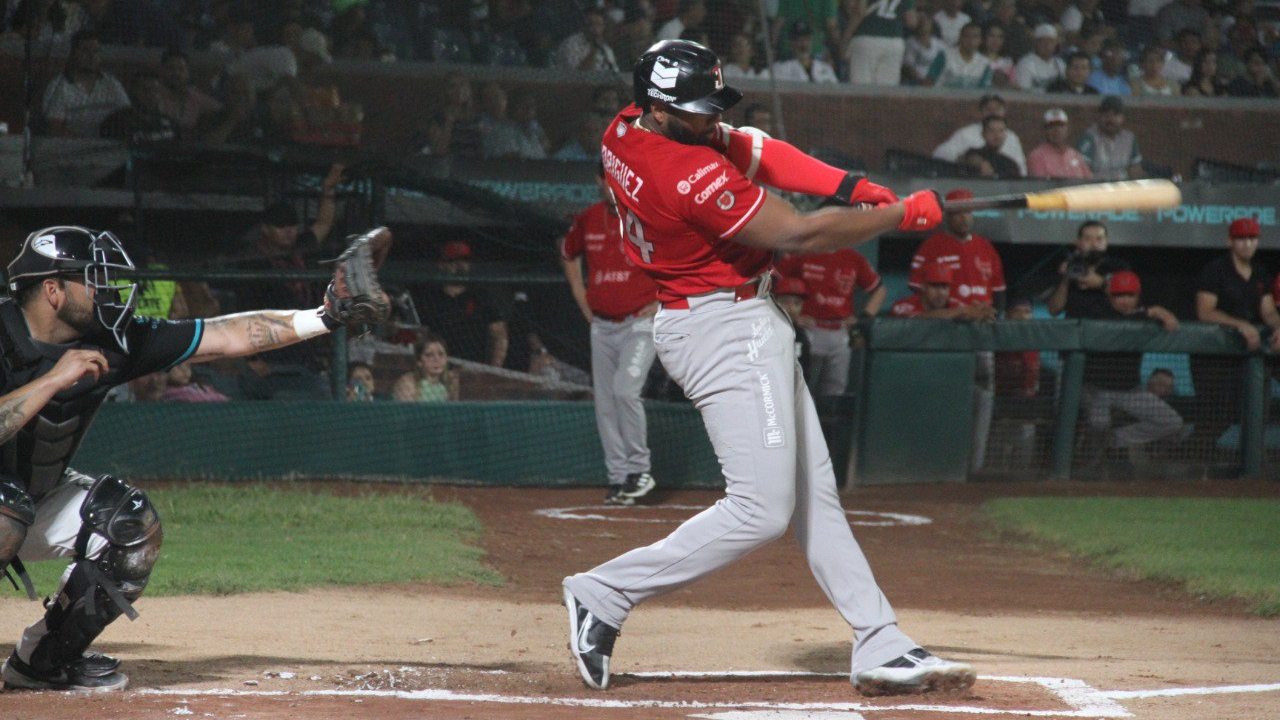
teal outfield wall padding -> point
(499, 443)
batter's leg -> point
(636, 354)
(822, 529)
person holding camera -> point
(1081, 292)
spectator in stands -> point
(1179, 15)
(922, 47)
(132, 22)
(584, 144)
(970, 136)
(1055, 158)
(265, 65)
(534, 143)
(1112, 76)
(1113, 381)
(504, 137)
(1152, 80)
(1077, 15)
(1092, 37)
(1038, 69)
(740, 64)
(1075, 79)
(430, 380)
(455, 129)
(790, 294)
(975, 165)
(977, 274)
(587, 49)
(236, 34)
(951, 21)
(360, 383)
(1233, 290)
(1204, 80)
(820, 17)
(79, 98)
(237, 122)
(872, 42)
(545, 365)
(1187, 47)
(760, 116)
(1257, 79)
(803, 66)
(1081, 290)
(141, 122)
(993, 49)
(1110, 148)
(994, 132)
(463, 315)
(182, 386)
(690, 15)
(179, 98)
(1017, 34)
(634, 34)
(44, 21)
(962, 66)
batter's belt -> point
(756, 287)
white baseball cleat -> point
(638, 485)
(918, 671)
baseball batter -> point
(67, 338)
(828, 310)
(618, 300)
(696, 220)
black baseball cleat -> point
(591, 642)
(92, 673)
(917, 672)
(638, 485)
(616, 496)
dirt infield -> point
(1050, 637)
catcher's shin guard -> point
(99, 590)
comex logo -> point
(665, 73)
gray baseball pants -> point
(736, 361)
(621, 355)
(829, 355)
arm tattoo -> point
(12, 417)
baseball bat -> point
(1128, 195)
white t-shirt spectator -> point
(1033, 73)
(575, 49)
(951, 70)
(265, 66)
(82, 111)
(794, 71)
(1146, 8)
(949, 27)
(1176, 71)
(733, 72)
(970, 137)
(918, 57)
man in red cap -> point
(935, 300)
(1113, 381)
(465, 316)
(830, 279)
(1232, 290)
(977, 275)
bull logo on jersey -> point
(666, 73)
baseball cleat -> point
(916, 672)
(591, 642)
(638, 485)
(92, 673)
(616, 496)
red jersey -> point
(616, 288)
(976, 271)
(913, 305)
(830, 279)
(681, 205)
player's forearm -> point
(499, 340)
(834, 228)
(1057, 301)
(250, 333)
(875, 302)
(18, 407)
(573, 273)
(1214, 315)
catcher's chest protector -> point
(38, 455)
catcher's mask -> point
(95, 255)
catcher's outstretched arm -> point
(249, 333)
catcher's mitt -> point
(354, 297)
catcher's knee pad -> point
(124, 516)
(17, 513)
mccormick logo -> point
(665, 74)
(774, 436)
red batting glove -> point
(923, 211)
(868, 192)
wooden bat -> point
(1128, 195)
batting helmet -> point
(683, 75)
(77, 251)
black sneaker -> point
(638, 485)
(591, 642)
(918, 671)
(92, 673)
(616, 496)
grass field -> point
(1217, 547)
(222, 539)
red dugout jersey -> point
(830, 279)
(681, 205)
(616, 288)
(913, 305)
(976, 271)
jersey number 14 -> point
(634, 231)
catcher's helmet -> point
(684, 75)
(77, 251)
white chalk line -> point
(1081, 699)
(627, 515)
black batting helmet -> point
(684, 75)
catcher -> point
(68, 334)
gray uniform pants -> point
(737, 363)
(621, 355)
(1156, 419)
(828, 360)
